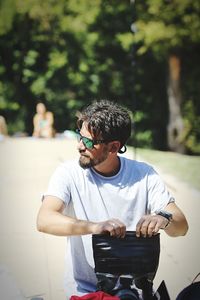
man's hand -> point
(149, 225)
(112, 226)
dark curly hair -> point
(108, 120)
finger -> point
(157, 228)
(161, 224)
(145, 227)
(139, 227)
(110, 227)
(105, 227)
(122, 229)
(119, 229)
(151, 228)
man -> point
(105, 193)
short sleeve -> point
(59, 184)
(158, 195)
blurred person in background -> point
(3, 128)
(43, 122)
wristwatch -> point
(166, 215)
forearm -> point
(54, 222)
(57, 224)
(178, 226)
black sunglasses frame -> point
(84, 139)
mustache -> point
(83, 153)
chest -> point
(97, 201)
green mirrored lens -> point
(87, 142)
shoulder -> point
(49, 114)
(70, 168)
(136, 165)
(69, 174)
(136, 170)
(36, 117)
(64, 172)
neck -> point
(109, 167)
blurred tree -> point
(43, 58)
(166, 27)
(112, 71)
(66, 53)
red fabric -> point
(95, 296)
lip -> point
(83, 155)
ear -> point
(114, 146)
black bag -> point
(130, 255)
(191, 292)
(126, 260)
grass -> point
(186, 168)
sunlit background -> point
(66, 53)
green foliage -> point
(166, 25)
(7, 11)
(141, 138)
(67, 53)
(192, 125)
(144, 139)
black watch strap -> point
(165, 214)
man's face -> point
(91, 157)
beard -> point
(87, 162)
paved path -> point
(34, 262)
(180, 257)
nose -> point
(80, 145)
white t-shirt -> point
(134, 191)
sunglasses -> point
(88, 143)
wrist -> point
(168, 223)
(167, 215)
(92, 227)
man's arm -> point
(51, 220)
(149, 225)
(178, 226)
